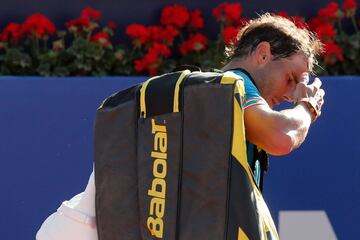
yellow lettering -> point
(158, 155)
(160, 139)
(157, 128)
(159, 205)
(158, 184)
(163, 165)
(155, 226)
(154, 186)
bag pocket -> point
(158, 160)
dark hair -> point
(284, 37)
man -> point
(274, 58)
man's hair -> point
(284, 37)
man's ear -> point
(263, 53)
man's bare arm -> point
(280, 132)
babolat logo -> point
(158, 186)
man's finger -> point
(317, 83)
(321, 92)
(304, 78)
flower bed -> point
(84, 48)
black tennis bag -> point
(170, 162)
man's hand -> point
(280, 132)
(310, 94)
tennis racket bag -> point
(170, 162)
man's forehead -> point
(298, 64)
(299, 59)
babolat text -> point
(157, 192)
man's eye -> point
(291, 81)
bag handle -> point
(160, 94)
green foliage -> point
(14, 61)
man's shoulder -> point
(252, 94)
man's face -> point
(280, 78)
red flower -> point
(140, 65)
(91, 13)
(13, 31)
(298, 21)
(332, 52)
(155, 32)
(228, 13)
(196, 19)
(163, 34)
(229, 35)
(283, 14)
(175, 15)
(243, 21)
(349, 6)
(152, 59)
(78, 23)
(316, 22)
(330, 12)
(84, 22)
(153, 70)
(160, 49)
(139, 32)
(39, 26)
(101, 38)
(111, 25)
(196, 42)
(325, 31)
(186, 47)
(168, 34)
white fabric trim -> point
(76, 215)
(74, 219)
